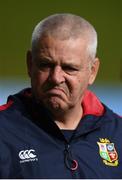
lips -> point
(56, 91)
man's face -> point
(60, 72)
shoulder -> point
(6, 110)
(14, 104)
(11, 116)
(7, 116)
(111, 114)
(6, 106)
(111, 124)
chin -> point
(55, 104)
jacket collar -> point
(92, 105)
(92, 111)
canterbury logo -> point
(27, 155)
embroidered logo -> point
(27, 156)
(108, 152)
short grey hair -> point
(64, 26)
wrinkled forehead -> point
(75, 48)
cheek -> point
(39, 78)
(79, 84)
(74, 86)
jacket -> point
(32, 145)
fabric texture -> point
(32, 146)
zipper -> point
(70, 162)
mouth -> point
(56, 91)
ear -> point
(94, 70)
(29, 62)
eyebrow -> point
(45, 59)
(50, 61)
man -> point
(58, 128)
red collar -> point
(92, 105)
(6, 106)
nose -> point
(57, 75)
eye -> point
(44, 65)
(69, 69)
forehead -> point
(64, 50)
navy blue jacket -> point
(32, 146)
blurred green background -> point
(18, 18)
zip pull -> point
(71, 163)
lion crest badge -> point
(108, 152)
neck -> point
(69, 119)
